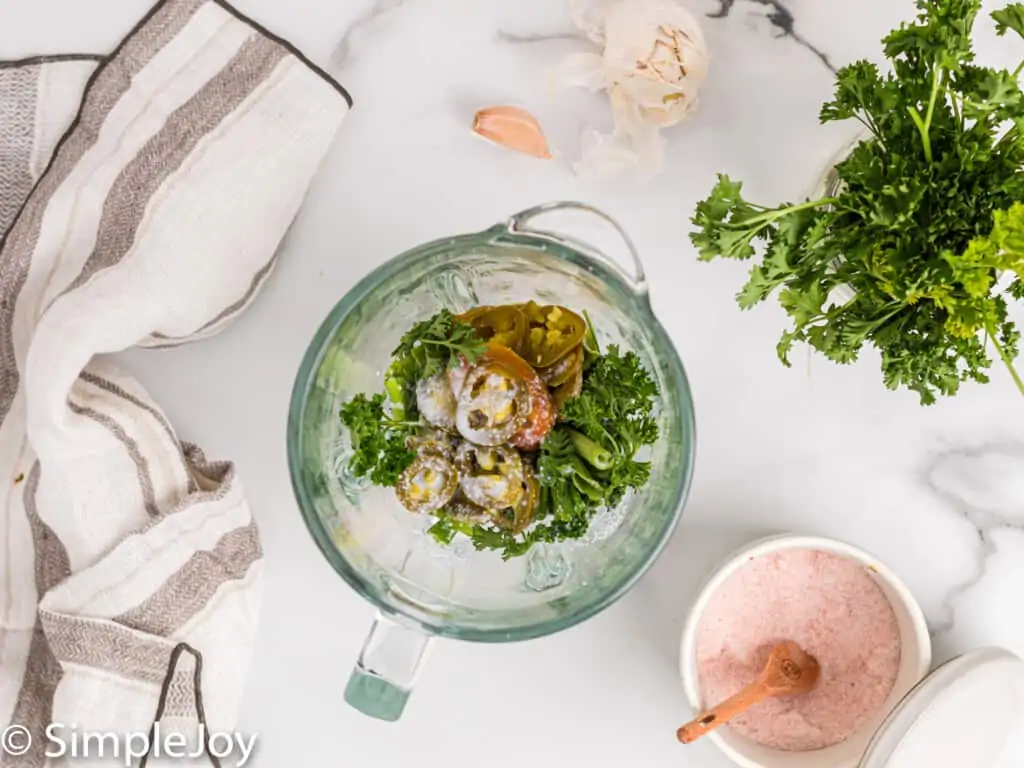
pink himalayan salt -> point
(835, 611)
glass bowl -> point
(423, 589)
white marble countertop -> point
(938, 492)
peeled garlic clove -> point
(513, 128)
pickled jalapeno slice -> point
(564, 369)
(554, 331)
(491, 477)
(505, 325)
(471, 314)
(462, 509)
(437, 441)
(436, 401)
(570, 389)
(517, 519)
(541, 412)
(427, 484)
(492, 406)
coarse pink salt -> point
(835, 611)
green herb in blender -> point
(427, 348)
(926, 228)
(378, 441)
(506, 452)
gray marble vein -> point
(781, 18)
(520, 38)
(377, 8)
(985, 486)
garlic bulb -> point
(653, 64)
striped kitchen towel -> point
(143, 195)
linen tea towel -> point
(142, 198)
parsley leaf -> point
(445, 529)
(434, 345)
(378, 442)
(1016, 289)
(615, 406)
(1010, 17)
(923, 220)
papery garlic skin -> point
(589, 15)
(653, 64)
(635, 144)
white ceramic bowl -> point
(915, 661)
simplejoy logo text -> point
(70, 743)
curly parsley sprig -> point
(433, 345)
(927, 222)
(378, 440)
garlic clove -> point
(513, 128)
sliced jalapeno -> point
(436, 441)
(471, 314)
(518, 518)
(462, 509)
(427, 484)
(436, 401)
(554, 331)
(564, 369)
(561, 395)
(541, 416)
(505, 325)
(491, 477)
(492, 406)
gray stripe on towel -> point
(132, 447)
(34, 707)
(166, 150)
(189, 589)
(107, 85)
(102, 644)
(234, 309)
(20, 90)
(118, 391)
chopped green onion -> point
(592, 452)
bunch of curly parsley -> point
(927, 227)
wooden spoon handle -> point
(707, 721)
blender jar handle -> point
(386, 671)
(519, 223)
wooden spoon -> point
(790, 670)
